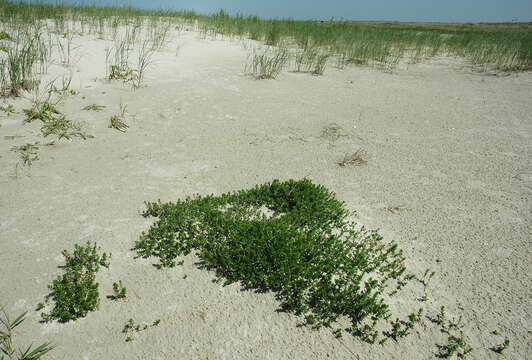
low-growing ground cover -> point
(292, 237)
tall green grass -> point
(498, 46)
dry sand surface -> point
(449, 177)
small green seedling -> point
(456, 345)
(501, 347)
(119, 290)
(441, 317)
(415, 318)
(399, 329)
(425, 280)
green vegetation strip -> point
(293, 238)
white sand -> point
(453, 145)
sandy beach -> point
(448, 177)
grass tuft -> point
(118, 121)
(6, 340)
(267, 63)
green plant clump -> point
(119, 290)
(54, 122)
(75, 292)
(293, 238)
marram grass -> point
(499, 46)
(293, 238)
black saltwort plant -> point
(293, 238)
(76, 292)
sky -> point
(378, 10)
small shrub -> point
(75, 292)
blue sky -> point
(397, 10)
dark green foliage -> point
(456, 345)
(5, 36)
(76, 292)
(318, 262)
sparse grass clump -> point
(54, 122)
(75, 293)
(267, 63)
(118, 120)
(311, 59)
(293, 238)
(28, 152)
(7, 335)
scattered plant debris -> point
(28, 152)
(131, 328)
(357, 158)
(94, 107)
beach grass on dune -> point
(498, 46)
